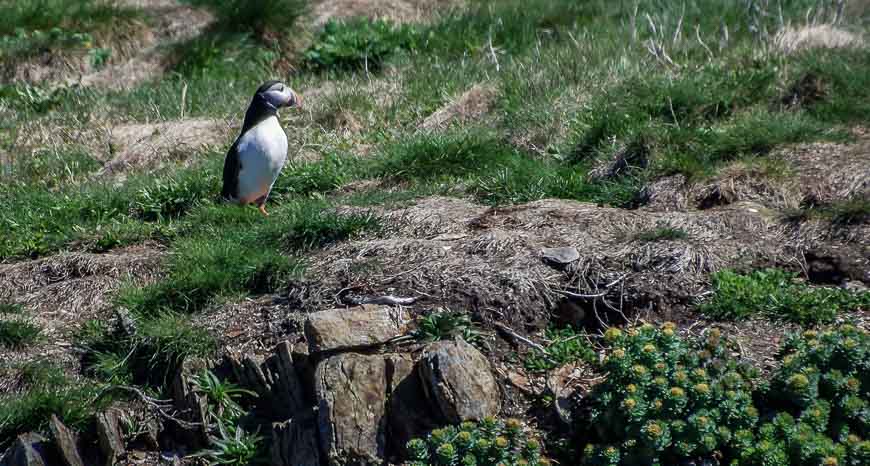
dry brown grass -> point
(794, 39)
(403, 11)
(467, 108)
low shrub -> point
(819, 400)
(490, 442)
(667, 399)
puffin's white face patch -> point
(280, 95)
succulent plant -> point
(491, 442)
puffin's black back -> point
(258, 110)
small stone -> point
(109, 434)
(560, 257)
(358, 327)
(351, 402)
(66, 442)
(29, 449)
(458, 380)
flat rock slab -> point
(358, 327)
(351, 396)
(457, 379)
(560, 256)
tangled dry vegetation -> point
(509, 232)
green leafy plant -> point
(230, 443)
(233, 446)
(490, 442)
(100, 56)
(222, 396)
(819, 400)
(359, 43)
(775, 294)
(667, 399)
(444, 325)
(565, 346)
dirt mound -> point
(821, 172)
(472, 105)
(793, 39)
(830, 171)
(489, 260)
(149, 145)
(137, 56)
(403, 11)
(61, 292)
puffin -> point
(258, 154)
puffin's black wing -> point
(232, 166)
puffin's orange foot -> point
(262, 208)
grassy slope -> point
(574, 80)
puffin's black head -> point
(275, 94)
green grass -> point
(774, 294)
(17, 334)
(48, 391)
(29, 26)
(255, 16)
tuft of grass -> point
(17, 334)
(149, 356)
(663, 233)
(845, 212)
(775, 294)
(359, 43)
(246, 254)
(9, 308)
(564, 346)
(48, 392)
(259, 17)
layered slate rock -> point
(66, 442)
(109, 435)
(410, 415)
(358, 327)
(458, 380)
(351, 395)
(294, 442)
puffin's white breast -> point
(262, 153)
